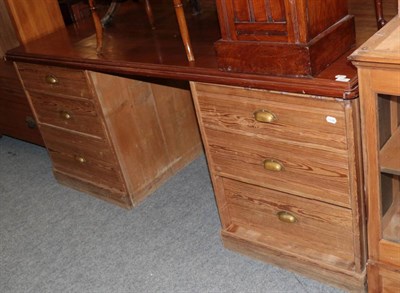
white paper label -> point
(331, 119)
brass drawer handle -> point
(273, 165)
(65, 115)
(80, 159)
(51, 79)
(264, 116)
(286, 217)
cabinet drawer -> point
(74, 114)
(316, 174)
(52, 79)
(289, 223)
(84, 157)
(319, 122)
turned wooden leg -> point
(149, 12)
(180, 14)
(379, 14)
(97, 25)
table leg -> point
(97, 25)
(180, 14)
(379, 14)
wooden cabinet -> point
(114, 137)
(378, 62)
(20, 23)
(287, 178)
(282, 37)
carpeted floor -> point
(55, 239)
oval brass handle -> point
(65, 115)
(80, 159)
(51, 79)
(264, 116)
(273, 165)
(286, 217)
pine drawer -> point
(319, 122)
(291, 224)
(83, 157)
(70, 113)
(297, 169)
(56, 80)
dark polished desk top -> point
(132, 48)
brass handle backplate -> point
(273, 165)
(51, 79)
(65, 115)
(286, 217)
(30, 121)
(264, 116)
(80, 159)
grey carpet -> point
(55, 239)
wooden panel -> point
(261, 10)
(82, 113)
(257, 20)
(8, 38)
(70, 82)
(144, 147)
(306, 172)
(323, 14)
(298, 119)
(241, 10)
(178, 122)
(99, 166)
(315, 233)
(277, 10)
(25, 15)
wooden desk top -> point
(131, 48)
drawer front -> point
(293, 224)
(84, 157)
(299, 170)
(52, 79)
(319, 122)
(73, 114)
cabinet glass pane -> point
(389, 158)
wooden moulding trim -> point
(303, 85)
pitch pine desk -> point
(283, 152)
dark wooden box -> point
(282, 37)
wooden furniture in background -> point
(180, 16)
(286, 171)
(110, 136)
(21, 22)
(282, 37)
(34, 19)
(378, 62)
